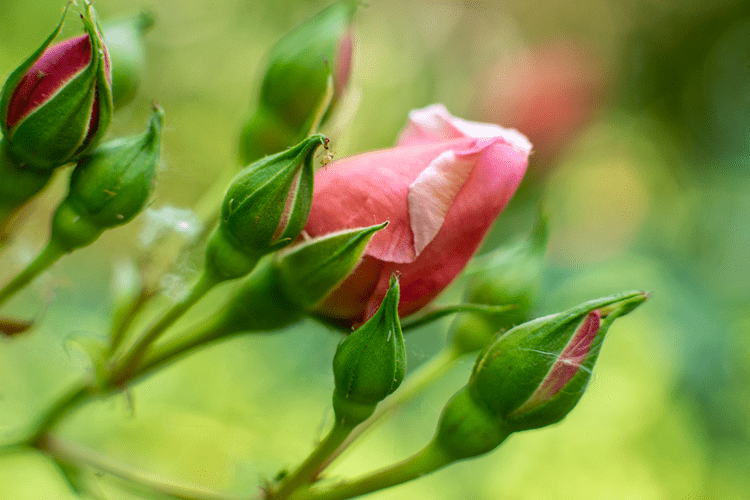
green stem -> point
(126, 367)
(71, 399)
(162, 355)
(77, 455)
(428, 460)
(121, 322)
(45, 259)
(306, 472)
(423, 377)
(438, 312)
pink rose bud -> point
(440, 188)
(58, 104)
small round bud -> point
(109, 187)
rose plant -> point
(361, 243)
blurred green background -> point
(639, 116)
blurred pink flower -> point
(441, 188)
(550, 92)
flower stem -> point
(46, 258)
(423, 377)
(69, 400)
(77, 455)
(425, 461)
(305, 473)
(126, 367)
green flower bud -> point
(370, 363)
(124, 39)
(265, 208)
(295, 84)
(309, 271)
(58, 104)
(534, 374)
(530, 377)
(109, 187)
(509, 276)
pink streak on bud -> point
(343, 63)
(57, 66)
(567, 365)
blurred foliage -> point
(650, 191)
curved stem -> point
(69, 400)
(46, 258)
(126, 367)
(77, 455)
(428, 460)
(306, 472)
(424, 376)
(163, 355)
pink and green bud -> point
(370, 363)
(508, 276)
(296, 83)
(530, 377)
(109, 187)
(265, 209)
(534, 374)
(58, 104)
(127, 51)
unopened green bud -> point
(534, 374)
(309, 270)
(296, 81)
(127, 51)
(265, 209)
(510, 276)
(370, 363)
(109, 187)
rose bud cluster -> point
(530, 377)
(58, 104)
(265, 209)
(440, 188)
(296, 80)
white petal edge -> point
(432, 194)
(438, 124)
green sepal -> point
(310, 270)
(18, 184)
(370, 363)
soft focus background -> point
(639, 116)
